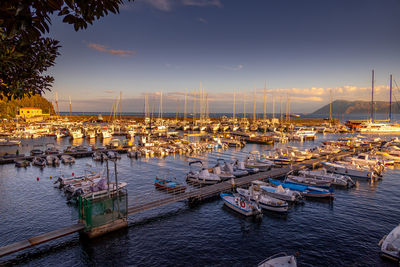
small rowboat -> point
(169, 185)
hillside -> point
(356, 107)
(9, 108)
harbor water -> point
(342, 232)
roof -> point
(29, 108)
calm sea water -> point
(343, 232)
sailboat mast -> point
(194, 107)
(390, 100)
(184, 115)
(244, 105)
(70, 106)
(177, 108)
(281, 110)
(330, 105)
(120, 104)
(161, 107)
(287, 108)
(207, 106)
(265, 101)
(254, 105)
(146, 106)
(234, 105)
(372, 97)
(273, 107)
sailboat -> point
(372, 127)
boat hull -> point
(242, 207)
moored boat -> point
(349, 169)
(22, 163)
(282, 193)
(306, 190)
(67, 159)
(240, 204)
(264, 201)
(335, 179)
(390, 244)
(38, 161)
(308, 181)
(169, 185)
(203, 176)
(279, 260)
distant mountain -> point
(340, 107)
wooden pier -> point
(191, 196)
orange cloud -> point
(106, 49)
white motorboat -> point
(63, 181)
(113, 155)
(253, 161)
(240, 165)
(38, 161)
(279, 260)
(335, 179)
(308, 181)
(52, 160)
(67, 159)
(221, 172)
(264, 201)
(240, 204)
(105, 133)
(76, 133)
(228, 167)
(366, 160)
(93, 188)
(390, 244)
(203, 176)
(349, 169)
(99, 156)
(281, 193)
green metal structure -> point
(103, 209)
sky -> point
(299, 50)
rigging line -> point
(397, 102)
(396, 85)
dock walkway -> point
(80, 154)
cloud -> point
(109, 91)
(301, 99)
(201, 3)
(163, 5)
(203, 20)
(234, 68)
(106, 49)
(168, 5)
